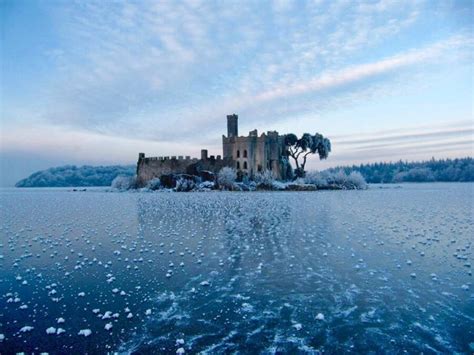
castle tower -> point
(232, 125)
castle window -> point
(245, 153)
(245, 165)
(238, 165)
(238, 154)
(259, 167)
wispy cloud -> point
(148, 75)
(139, 68)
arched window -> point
(238, 154)
(245, 153)
(245, 165)
(238, 165)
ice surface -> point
(247, 272)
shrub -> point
(264, 179)
(338, 178)
(124, 182)
(357, 180)
(226, 178)
(278, 185)
(316, 178)
(184, 185)
(206, 186)
(154, 184)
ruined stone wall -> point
(150, 168)
(214, 165)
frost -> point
(298, 326)
(85, 332)
(226, 178)
(51, 330)
(154, 184)
(124, 182)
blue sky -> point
(95, 82)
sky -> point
(97, 82)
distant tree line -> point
(425, 171)
(71, 175)
(448, 170)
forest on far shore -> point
(446, 170)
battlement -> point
(248, 154)
(168, 158)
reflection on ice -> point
(383, 269)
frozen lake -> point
(385, 270)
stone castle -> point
(248, 155)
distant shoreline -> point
(444, 170)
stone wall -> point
(150, 168)
(214, 165)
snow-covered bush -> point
(334, 179)
(278, 185)
(154, 184)
(206, 185)
(252, 186)
(124, 182)
(184, 185)
(339, 178)
(316, 178)
(264, 179)
(357, 180)
(226, 178)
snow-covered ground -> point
(386, 269)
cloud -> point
(460, 133)
(138, 68)
(414, 142)
(148, 75)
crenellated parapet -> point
(149, 168)
(247, 154)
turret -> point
(232, 125)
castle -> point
(248, 155)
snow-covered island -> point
(270, 161)
(227, 180)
